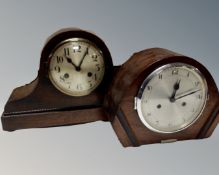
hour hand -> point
(175, 89)
(69, 60)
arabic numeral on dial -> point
(95, 77)
(175, 72)
(79, 87)
(149, 88)
(62, 78)
(90, 83)
(66, 51)
(59, 59)
(160, 76)
(57, 69)
(188, 74)
(199, 97)
(94, 57)
(197, 83)
(77, 48)
(98, 67)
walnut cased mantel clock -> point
(161, 96)
(157, 96)
(75, 70)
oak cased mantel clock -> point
(156, 96)
(75, 70)
(159, 96)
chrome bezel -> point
(138, 98)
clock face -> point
(76, 67)
(171, 98)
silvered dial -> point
(76, 67)
(171, 98)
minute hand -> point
(82, 59)
(186, 94)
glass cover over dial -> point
(171, 98)
(76, 67)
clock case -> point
(121, 107)
(40, 104)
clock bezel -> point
(154, 73)
(84, 92)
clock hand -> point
(186, 94)
(85, 53)
(175, 89)
(69, 60)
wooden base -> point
(51, 119)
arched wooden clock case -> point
(40, 104)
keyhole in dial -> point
(183, 103)
(66, 75)
(89, 74)
(159, 106)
